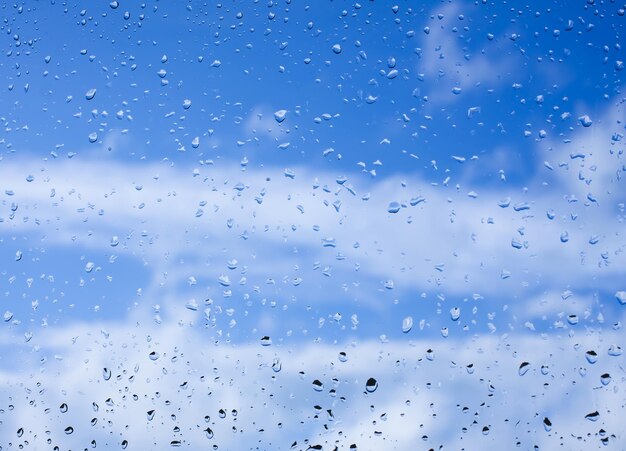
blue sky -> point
(319, 173)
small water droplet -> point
(106, 374)
(317, 385)
(90, 94)
(337, 49)
(63, 408)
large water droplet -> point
(371, 385)
(547, 424)
(523, 368)
(591, 356)
(280, 115)
(394, 207)
(407, 324)
(585, 121)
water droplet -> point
(394, 207)
(209, 433)
(150, 415)
(93, 137)
(106, 374)
(90, 94)
(266, 341)
(591, 357)
(153, 355)
(186, 104)
(371, 385)
(317, 385)
(547, 424)
(455, 313)
(8, 315)
(114, 4)
(486, 430)
(593, 416)
(605, 379)
(407, 324)
(621, 297)
(337, 49)
(18, 256)
(89, 266)
(114, 241)
(585, 121)
(343, 357)
(280, 115)
(523, 368)
(69, 430)
(276, 365)
(195, 142)
(615, 350)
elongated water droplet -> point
(407, 324)
(547, 424)
(523, 368)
